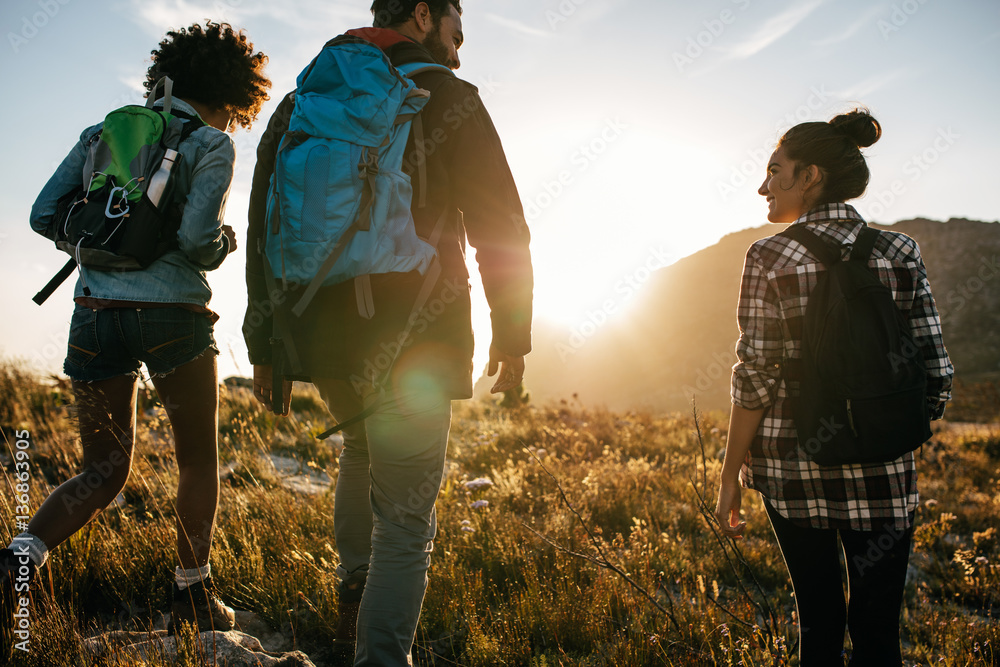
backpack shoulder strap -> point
(412, 69)
(822, 250)
(864, 244)
(189, 125)
(168, 98)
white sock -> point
(185, 578)
(36, 549)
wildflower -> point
(479, 483)
(466, 522)
(725, 630)
(982, 560)
(480, 504)
(931, 503)
(468, 529)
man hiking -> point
(399, 341)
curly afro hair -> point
(215, 66)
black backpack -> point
(863, 391)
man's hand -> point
(262, 379)
(511, 370)
(727, 509)
(229, 232)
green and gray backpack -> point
(124, 216)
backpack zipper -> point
(850, 419)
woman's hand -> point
(727, 509)
(229, 232)
(743, 424)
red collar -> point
(383, 38)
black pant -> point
(876, 567)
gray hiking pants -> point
(384, 519)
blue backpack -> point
(339, 201)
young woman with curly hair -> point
(158, 316)
(816, 511)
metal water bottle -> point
(158, 183)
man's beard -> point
(436, 46)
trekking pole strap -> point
(56, 281)
(418, 142)
(423, 296)
(360, 417)
(430, 280)
(325, 269)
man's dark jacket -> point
(468, 180)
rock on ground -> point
(233, 648)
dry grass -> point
(505, 588)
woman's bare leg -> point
(106, 411)
(190, 395)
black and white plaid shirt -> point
(778, 277)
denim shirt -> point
(205, 174)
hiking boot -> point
(347, 608)
(199, 605)
(12, 577)
(347, 625)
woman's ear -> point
(812, 180)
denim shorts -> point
(111, 342)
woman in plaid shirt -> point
(814, 170)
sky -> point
(637, 130)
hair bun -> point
(859, 126)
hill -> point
(680, 342)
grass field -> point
(594, 547)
